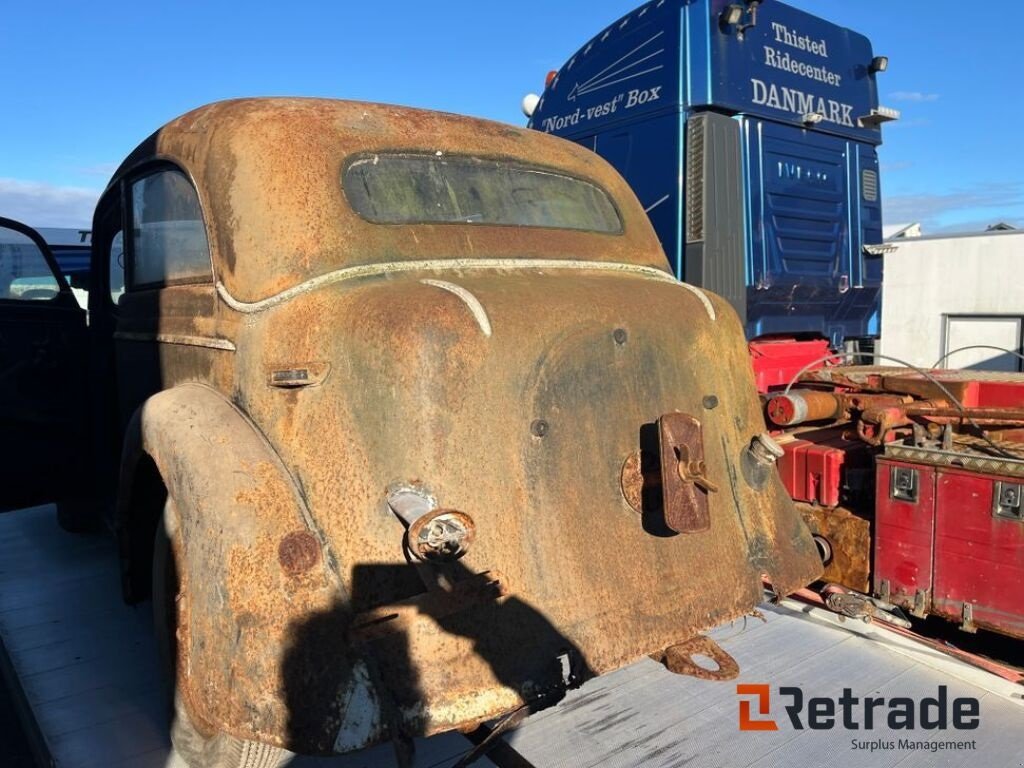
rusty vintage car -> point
(411, 427)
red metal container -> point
(904, 534)
(950, 541)
(816, 466)
(979, 550)
(778, 362)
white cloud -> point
(980, 224)
(106, 170)
(959, 209)
(916, 96)
(40, 204)
(916, 122)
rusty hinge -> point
(922, 602)
(685, 484)
(967, 624)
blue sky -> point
(83, 83)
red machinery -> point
(912, 483)
(778, 360)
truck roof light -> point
(550, 78)
(879, 64)
(732, 15)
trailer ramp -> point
(83, 667)
(644, 716)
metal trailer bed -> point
(83, 670)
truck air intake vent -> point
(695, 179)
(869, 186)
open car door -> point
(43, 374)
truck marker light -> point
(529, 104)
(732, 15)
(878, 116)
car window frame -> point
(63, 288)
(128, 222)
(490, 158)
(113, 198)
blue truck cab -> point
(749, 132)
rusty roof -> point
(268, 172)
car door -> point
(43, 378)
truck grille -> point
(695, 179)
(869, 185)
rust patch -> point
(640, 481)
(849, 538)
(631, 480)
(298, 552)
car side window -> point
(116, 257)
(168, 237)
(25, 274)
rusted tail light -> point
(432, 534)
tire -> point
(190, 744)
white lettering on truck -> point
(800, 103)
(782, 60)
(559, 122)
(794, 39)
(637, 97)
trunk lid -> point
(518, 396)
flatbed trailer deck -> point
(83, 668)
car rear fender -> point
(251, 561)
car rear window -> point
(440, 189)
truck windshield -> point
(432, 189)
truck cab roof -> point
(671, 55)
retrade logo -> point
(763, 694)
(853, 713)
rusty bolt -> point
(620, 336)
(764, 450)
(298, 552)
(539, 428)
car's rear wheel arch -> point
(144, 505)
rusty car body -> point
(418, 474)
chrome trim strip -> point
(173, 338)
(454, 265)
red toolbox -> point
(949, 540)
(818, 465)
